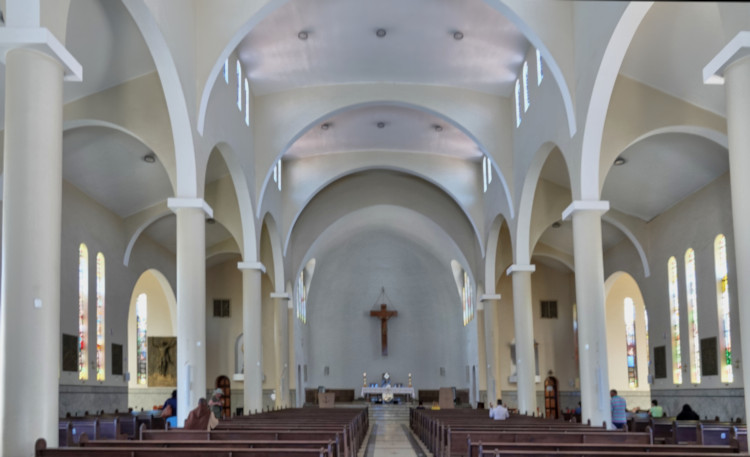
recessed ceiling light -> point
(325, 126)
(556, 224)
(457, 35)
(302, 35)
(149, 158)
(381, 124)
(210, 221)
(380, 33)
(437, 127)
(620, 161)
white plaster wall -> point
(86, 221)
(427, 334)
(694, 222)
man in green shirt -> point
(656, 411)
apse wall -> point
(428, 335)
(693, 223)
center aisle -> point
(389, 434)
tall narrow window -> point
(239, 86)
(247, 103)
(539, 69)
(278, 165)
(100, 284)
(141, 318)
(648, 352)
(518, 102)
(575, 330)
(83, 312)
(632, 354)
(692, 309)
(722, 296)
(674, 322)
(467, 300)
(484, 174)
(226, 71)
(301, 298)
(526, 101)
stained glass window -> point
(674, 322)
(526, 101)
(467, 299)
(648, 352)
(100, 280)
(722, 295)
(518, 102)
(539, 69)
(226, 71)
(247, 103)
(278, 165)
(239, 86)
(301, 298)
(692, 309)
(83, 312)
(632, 355)
(141, 318)
(486, 172)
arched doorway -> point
(223, 383)
(551, 403)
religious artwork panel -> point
(117, 359)
(162, 361)
(709, 354)
(69, 353)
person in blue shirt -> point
(170, 414)
(619, 418)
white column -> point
(592, 336)
(733, 63)
(491, 349)
(252, 335)
(281, 348)
(523, 322)
(191, 302)
(291, 363)
(30, 309)
(481, 352)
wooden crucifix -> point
(384, 315)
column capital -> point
(251, 266)
(600, 206)
(187, 202)
(520, 268)
(41, 40)
(281, 295)
(737, 48)
(489, 297)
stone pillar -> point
(252, 335)
(592, 324)
(291, 362)
(35, 65)
(481, 352)
(281, 347)
(523, 322)
(733, 63)
(191, 302)
(491, 302)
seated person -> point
(499, 412)
(656, 411)
(170, 406)
(420, 405)
(687, 414)
(201, 417)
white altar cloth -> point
(381, 390)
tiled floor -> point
(390, 435)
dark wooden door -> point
(551, 404)
(222, 382)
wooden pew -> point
(613, 453)
(739, 437)
(88, 426)
(65, 433)
(329, 445)
(41, 450)
(685, 432)
(482, 449)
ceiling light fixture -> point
(556, 224)
(325, 126)
(380, 33)
(620, 161)
(302, 35)
(149, 158)
(381, 124)
(457, 35)
(210, 221)
(437, 128)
